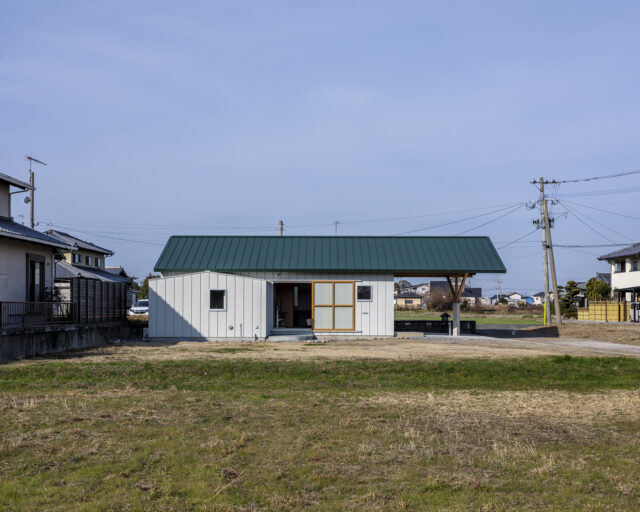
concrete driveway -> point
(576, 346)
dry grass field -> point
(204, 426)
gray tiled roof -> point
(604, 277)
(119, 271)
(11, 229)
(408, 295)
(65, 270)
(15, 182)
(79, 243)
(631, 250)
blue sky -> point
(159, 118)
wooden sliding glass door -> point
(333, 305)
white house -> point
(27, 257)
(625, 272)
(538, 298)
(221, 287)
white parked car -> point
(141, 307)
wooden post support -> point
(456, 286)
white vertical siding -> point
(179, 307)
(179, 304)
(373, 318)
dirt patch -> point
(612, 332)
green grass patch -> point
(550, 372)
(246, 435)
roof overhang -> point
(4, 178)
(399, 256)
(38, 241)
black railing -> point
(36, 314)
(434, 326)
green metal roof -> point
(409, 255)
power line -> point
(518, 239)
(608, 176)
(603, 211)
(145, 227)
(141, 242)
(588, 226)
(604, 226)
(605, 192)
(456, 221)
(489, 221)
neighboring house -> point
(471, 295)
(513, 299)
(82, 253)
(217, 287)
(408, 300)
(27, 256)
(538, 298)
(421, 289)
(132, 294)
(625, 272)
(98, 294)
(427, 289)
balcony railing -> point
(36, 314)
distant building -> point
(408, 300)
(625, 272)
(432, 287)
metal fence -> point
(36, 314)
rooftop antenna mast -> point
(32, 183)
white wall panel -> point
(179, 307)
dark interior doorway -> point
(292, 305)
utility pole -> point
(545, 261)
(281, 227)
(31, 192)
(554, 281)
(335, 227)
(547, 253)
(498, 289)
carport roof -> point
(402, 256)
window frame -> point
(370, 299)
(224, 299)
(88, 260)
(333, 305)
(634, 266)
(96, 262)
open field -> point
(120, 428)
(604, 331)
(480, 318)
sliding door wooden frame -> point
(333, 305)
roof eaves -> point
(16, 182)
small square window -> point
(216, 299)
(364, 292)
